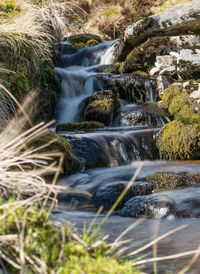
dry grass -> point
(32, 30)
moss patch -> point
(82, 40)
(83, 126)
(58, 144)
(101, 107)
(180, 139)
(171, 92)
(169, 180)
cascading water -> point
(113, 154)
(78, 79)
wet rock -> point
(66, 47)
(107, 195)
(101, 107)
(110, 148)
(130, 87)
(181, 19)
(140, 115)
(183, 203)
(153, 206)
(83, 126)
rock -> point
(154, 71)
(179, 140)
(66, 47)
(144, 56)
(195, 94)
(165, 61)
(170, 180)
(163, 82)
(130, 87)
(141, 115)
(81, 40)
(58, 144)
(189, 63)
(179, 20)
(107, 195)
(183, 203)
(83, 126)
(101, 107)
(169, 71)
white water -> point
(78, 80)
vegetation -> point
(33, 244)
(180, 139)
(101, 107)
(169, 180)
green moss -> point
(92, 43)
(83, 126)
(170, 180)
(180, 140)
(188, 70)
(171, 92)
(79, 45)
(60, 144)
(18, 82)
(178, 103)
(80, 41)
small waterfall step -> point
(108, 148)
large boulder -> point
(101, 107)
(181, 19)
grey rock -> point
(183, 203)
(181, 19)
(163, 82)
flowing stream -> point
(113, 154)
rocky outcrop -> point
(181, 19)
(101, 107)
(130, 87)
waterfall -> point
(77, 78)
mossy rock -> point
(82, 40)
(101, 107)
(180, 139)
(170, 180)
(59, 144)
(83, 126)
(171, 92)
(188, 70)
